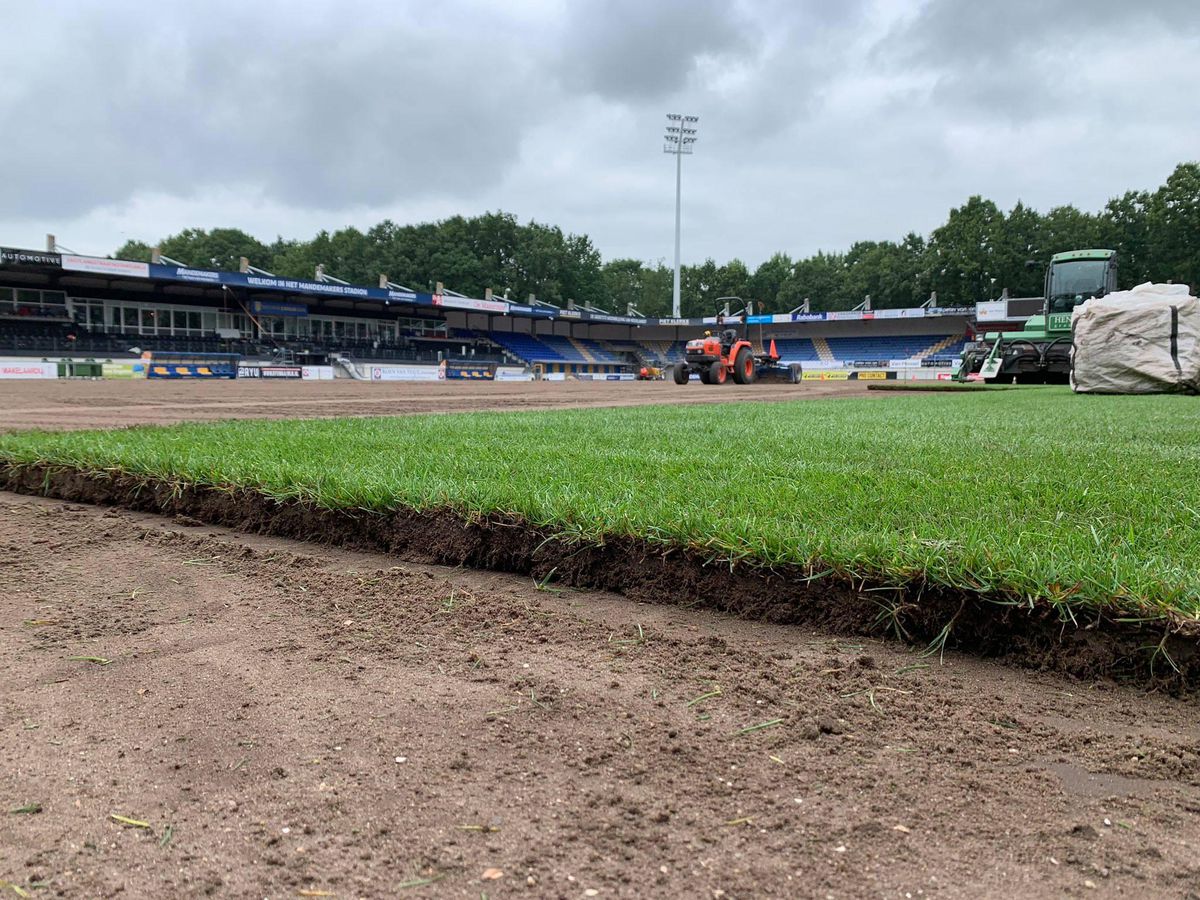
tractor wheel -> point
(717, 373)
(795, 373)
(682, 373)
(744, 367)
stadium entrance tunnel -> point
(925, 615)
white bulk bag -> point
(1143, 341)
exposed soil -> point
(310, 720)
(920, 613)
(300, 719)
(101, 404)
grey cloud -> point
(633, 50)
(326, 113)
(821, 122)
(1016, 59)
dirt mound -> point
(920, 613)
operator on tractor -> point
(727, 336)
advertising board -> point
(22, 371)
(466, 371)
(280, 371)
(123, 370)
(404, 373)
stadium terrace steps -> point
(582, 349)
(824, 352)
(951, 345)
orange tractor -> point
(722, 355)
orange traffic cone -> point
(774, 353)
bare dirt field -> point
(100, 404)
(191, 711)
(291, 720)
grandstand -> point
(59, 306)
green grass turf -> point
(1037, 493)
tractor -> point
(722, 355)
(1041, 352)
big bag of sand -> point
(1143, 341)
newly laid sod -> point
(1022, 494)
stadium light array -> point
(680, 136)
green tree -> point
(1125, 228)
(139, 251)
(1173, 224)
(765, 284)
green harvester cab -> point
(1040, 353)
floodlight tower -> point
(681, 134)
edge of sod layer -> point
(938, 387)
(1163, 651)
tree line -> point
(979, 252)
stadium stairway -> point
(947, 343)
(583, 350)
(823, 351)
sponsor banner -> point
(945, 376)
(279, 308)
(123, 370)
(316, 373)
(825, 376)
(991, 311)
(296, 285)
(848, 375)
(949, 311)
(27, 370)
(495, 306)
(513, 374)
(404, 373)
(280, 371)
(536, 312)
(188, 370)
(672, 322)
(846, 315)
(181, 274)
(570, 314)
(916, 313)
(10, 256)
(615, 320)
(807, 317)
(466, 371)
(101, 266)
(904, 363)
(249, 371)
(282, 285)
(868, 364)
(760, 320)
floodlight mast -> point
(680, 136)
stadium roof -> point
(124, 272)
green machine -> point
(1040, 353)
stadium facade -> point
(56, 304)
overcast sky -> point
(820, 122)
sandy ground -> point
(291, 720)
(97, 404)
